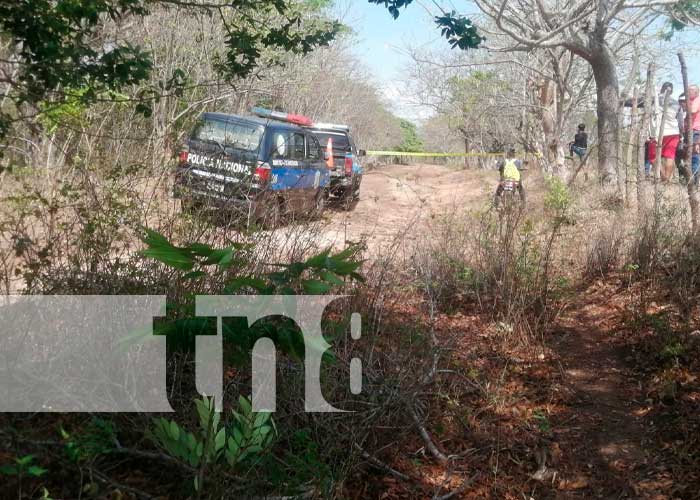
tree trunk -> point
(644, 132)
(605, 74)
(633, 142)
(466, 152)
(692, 189)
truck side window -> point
(279, 145)
(299, 145)
(288, 146)
(314, 148)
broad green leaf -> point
(202, 412)
(261, 418)
(233, 446)
(171, 257)
(245, 405)
(201, 249)
(174, 430)
(319, 261)
(315, 287)
(8, 470)
(238, 436)
(155, 239)
(331, 278)
(238, 283)
(344, 267)
(220, 439)
(36, 471)
(191, 441)
(25, 460)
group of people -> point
(668, 115)
(672, 124)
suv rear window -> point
(340, 141)
(231, 134)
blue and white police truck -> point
(345, 168)
(263, 168)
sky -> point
(382, 41)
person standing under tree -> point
(580, 144)
(668, 124)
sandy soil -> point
(399, 199)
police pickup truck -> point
(342, 160)
(260, 168)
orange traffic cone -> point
(329, 153)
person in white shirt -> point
(671, 133)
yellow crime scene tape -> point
(438, 155)
(443, 155)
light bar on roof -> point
(331, 126)
(285, 117)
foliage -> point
(247, 437)
(94, 439)
(457, 29)
(317, 275)
(411, 142)
(683, 14)
(56, 49)
(558, 201)
(23, 466)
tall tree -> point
(59, 49)
(587, 29)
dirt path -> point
(396, 199)
(603, 433)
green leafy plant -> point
(248, 436)
(23, 466)
(319, 274)
(558, 200)
(94, 439)
(542, 421)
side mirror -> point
(362, 152)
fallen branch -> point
(381, 465)
(426, 437)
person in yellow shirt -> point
(509, 169)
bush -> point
(603, 251)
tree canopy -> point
(59, 51)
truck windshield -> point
(229, 134)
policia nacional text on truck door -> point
(259, 168)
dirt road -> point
(399, 199)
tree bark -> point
(644, 129)
(633, 140)
(608, 93)
(692, 189)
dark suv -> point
(346, 171)
(261, 168)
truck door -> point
(317, 169)
(288, 162)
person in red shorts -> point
(671, 134)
